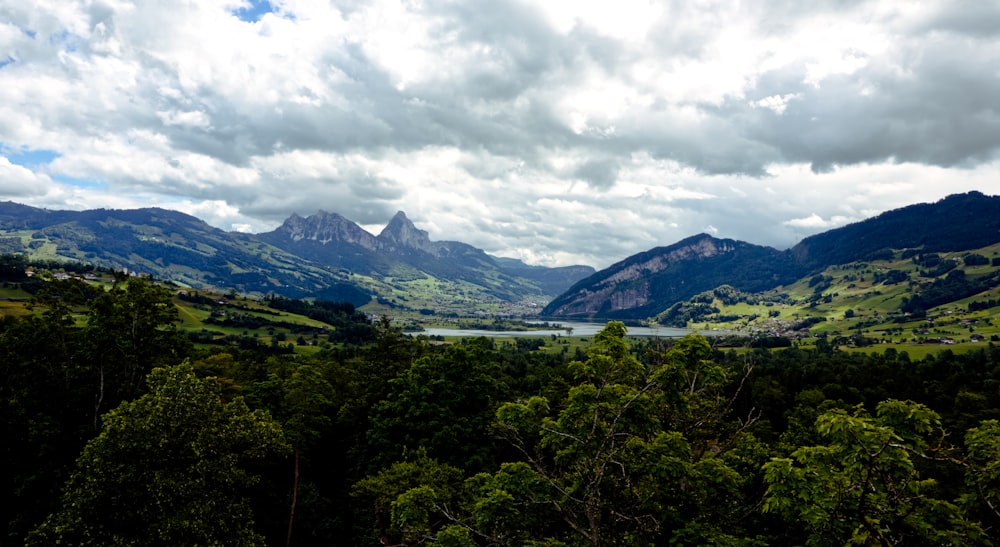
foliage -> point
(402, 440)
(404, 495)
(983, 475)
(682, 313)
(130, 329)
(957, 222)
(623, 461)
(12, 267)
(975, 259)
(443, 404)
(891, 277)
(866, 485)
(170, 468)
(955, 286)
(350, 325)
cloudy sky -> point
(555, 131)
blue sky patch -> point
(253, 13)
(31, 158)
(81, 183)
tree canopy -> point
(171, 468)
(118, 431)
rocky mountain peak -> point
(324, 227)
(401, 234)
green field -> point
(856, 308)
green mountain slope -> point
(957, 222)
(324, 256)
(906, 297)
(649, 284)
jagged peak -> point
(397, 222)
(320, 219)
(325, 227)
(398, 225)
(325, 215)
(401, 232)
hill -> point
(911, 300)
(646, 283)
(956, 223)
(323, 256)
(649, 284)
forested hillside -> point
(957, 222)
(119, 430)
(649, 284)
(324, 256)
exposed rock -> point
(401, 234)
(325, 228)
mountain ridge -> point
(324, 255)
(636, 286)
(678, 272)
(328, 256)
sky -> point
(555, 131)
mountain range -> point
(324, 255)
(328, 256)
(648, 283)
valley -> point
(917, 279)
(439, 383)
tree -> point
(131, 329)
(870, 483)
(46, 403)
(173, 467)
(407, 495)
(444, 403)
(12, 267)
(983, 474)
(307, 399)
(608, 466)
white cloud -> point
(775, 103)
(19, 182)
(192, 119)
(815, 221)
(624, 20)
(556, 132)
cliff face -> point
(640, 285)
(326, 228)
(403, 249)
(401, 235)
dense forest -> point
(119, 430)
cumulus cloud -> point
(558, 132)
(17, 181)
(816, 221)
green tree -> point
(444, 404)
(171, 468)
(407, 498)
(872, 483)
(131, 329)
(983, 474)
(608, 466)
(46, 403)
(304, 414)
(368, 378)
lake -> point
(579, 329)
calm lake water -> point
(579, 329)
